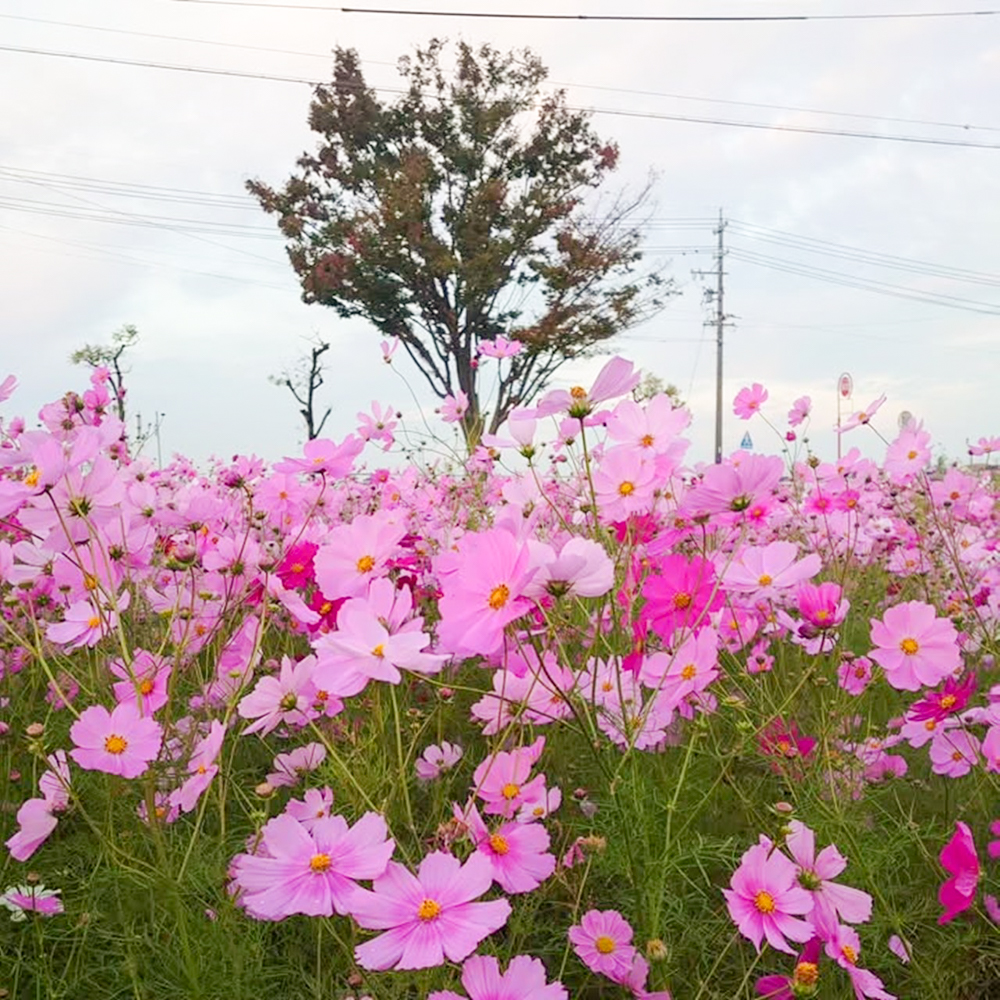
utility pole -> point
(719, 321)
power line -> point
(810, 244)
(615, 112)
(964, 126)
(869, 285)
(662, 18)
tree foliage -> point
(462, 210)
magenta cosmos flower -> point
(681, 596)
(427, 917)
(915, 648)
(313, 871)
(763, 897)
(523, 980)
(804, 976)
(603, 941)
(118, 742)
(959, 858)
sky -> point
(192, 261)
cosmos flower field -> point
(570, 718)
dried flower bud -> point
(35, 730)
(264, 790)
(656, 950)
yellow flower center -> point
(429, 909)
(365, 564)
(510, 791)
(145, 686)
(319, 862)
(689, 671)
(647, 441)
(116, 744)
(806, 974)
(499, 844)
(626, 488)
(765, 580)
(957, 756)
(379, 651)
(911, 455)
(930, 725)
(89, 581)
(849, 953)
(578, 392)
(909, 646)
(297, 567)
(682, 600)
(94, 622)
(498, 597)
(764, 902)
(822, 614)
(31, 479)
(604, 944)
(948, 700)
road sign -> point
(845, 385)
(746, 444)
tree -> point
(110, 356)
(302, 382)
(458, 212)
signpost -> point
(845, 387)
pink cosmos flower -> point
(287, 698)
(389, 348)
(427, 917)
(954, 752)
(799, 411)
(312, 872)
(959, 858)
(603, 942)
(822, 606)
(378, 425)
(854, 675)
(36, 818)
(616, 378)
(84, 624)
(735, 487)
(453, 408)
(518, 852)
(202, 768)
(844, 949)
(831, 902)
(908, 454)
(862, 416)
(357, 553)
(581, 569)
(764, 895)
(624, 483)
(24, 899)
(144, 682)
(118, 742)
(914, 647)
(501, 780)
(767, 570)
(523, 980)
(500, 347)
(951, 699)
(290, 767)
(635, 980)
(804, 976)
(482, 587)
(686, 671)
(748, 401)
(436, 759)
(314, 806)
(325, 456)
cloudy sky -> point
(816, 221)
